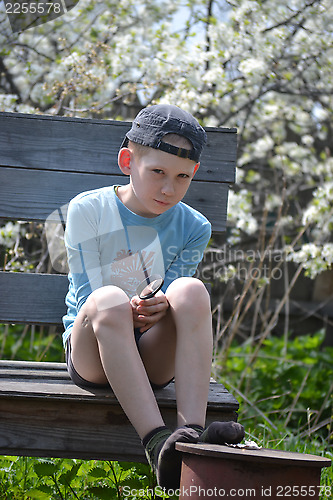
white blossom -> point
(262, 67)
(239, 211)
(262, 146)
(307, 140)
(9, 234)
(252, 66)
(314, 258)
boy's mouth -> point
(163, 203)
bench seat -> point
(42, 413)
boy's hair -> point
(174, 139)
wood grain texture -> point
(42, 413)
(86, 145)
(32, 195)
(35, 380)
(37, 299)
(48, 428)
(32, 298)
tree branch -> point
(13, 88)
(288, 21)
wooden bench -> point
(44, 162)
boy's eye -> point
(160, 171)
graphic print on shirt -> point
(129, 269)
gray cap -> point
(154, 122)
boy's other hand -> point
(147, 312)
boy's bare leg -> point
(104, 350)
(181, 345)
(190, 308)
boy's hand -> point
(147, 312)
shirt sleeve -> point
(82, 245)
(190, 256)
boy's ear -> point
(196, 168)
(124, 161)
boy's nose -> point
(168, 188)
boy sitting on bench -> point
(115, 238)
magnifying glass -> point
(150, 286)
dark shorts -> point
(81, 382)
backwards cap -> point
(154, 122)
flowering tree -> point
(262, 66)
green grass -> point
(285, 393)
(23, 478)
(290, 390)
(286, 400)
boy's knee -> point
(189, 293)
(107, 304)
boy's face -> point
(159, 181)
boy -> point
(114, 236)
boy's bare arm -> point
(148, 312)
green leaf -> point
(97, 472)
(143, 469)
(102, 492)
(133, 482)
(39, 494)
(45, 489)
(128, 465)
(43, 469)
(68, 476)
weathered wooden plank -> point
(32, 195)
(54, 428)
(38, 380)
(48, 427)
(86, 145)
(53, 368)
(33, 370)
(40, 298)
(220, 400)
(42, 413)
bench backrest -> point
(45, 161)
